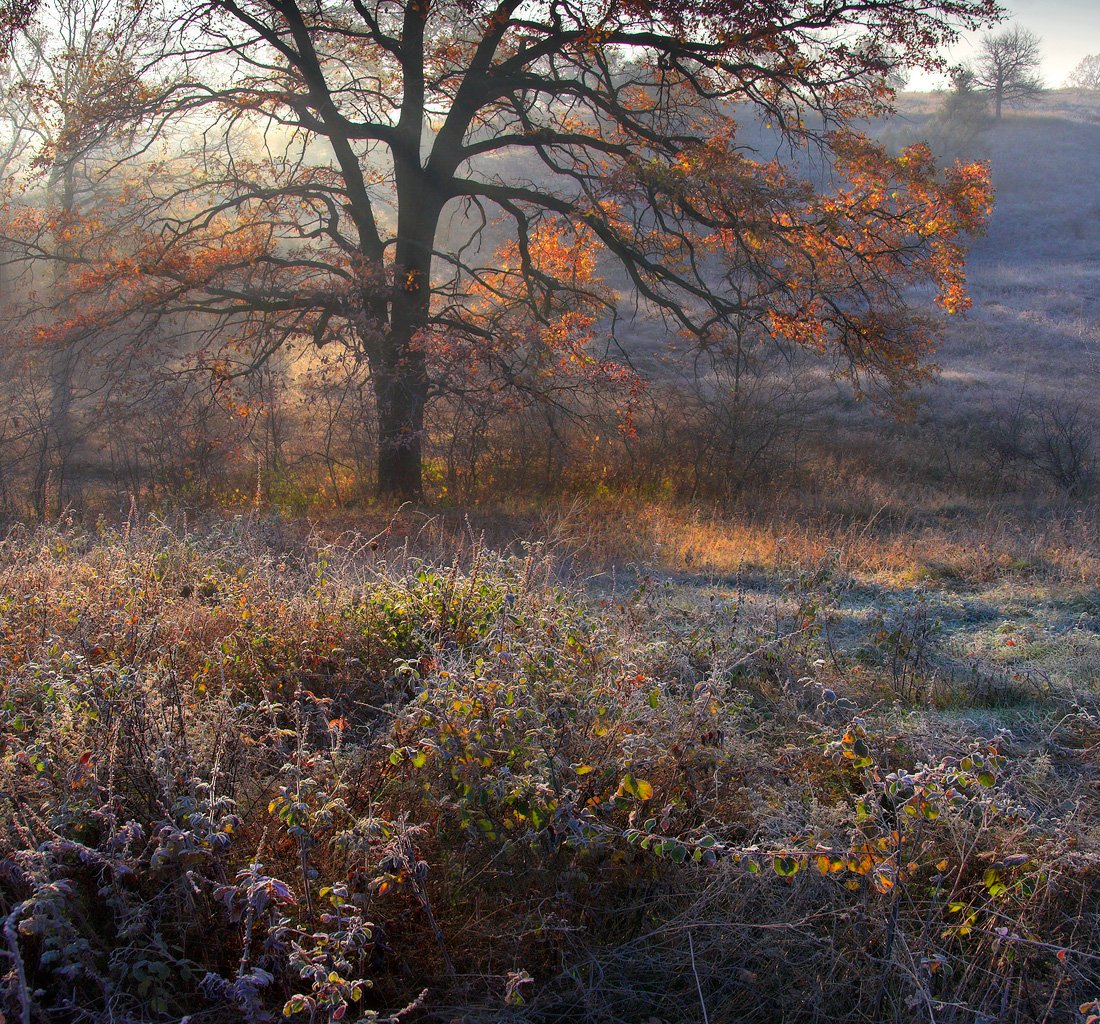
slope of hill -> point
(1035, 276)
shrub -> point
(251, 775)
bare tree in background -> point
(1007, 67)
(1087, 74)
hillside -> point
(1036, 274)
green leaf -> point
(637, 788)
(785, 867)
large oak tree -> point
(337, 170)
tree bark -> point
(400, 370)
(401, 374)
(59, 431)
(400, 393)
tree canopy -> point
(470, 194)
(15, 15)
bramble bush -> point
(251, 775)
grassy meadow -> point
(822, 748)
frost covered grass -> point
(252, 771)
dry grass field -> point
(616, 772)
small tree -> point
(70, 98)
(958, 125)
(1007, 67)
(1086, 75)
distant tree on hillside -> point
(1087, 74)
(1007, 67)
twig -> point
(13, 951)
(418, 1002)
(698, 986)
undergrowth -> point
(253, 775)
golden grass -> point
(980, 546)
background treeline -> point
(302, 435)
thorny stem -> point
(892, 927)
(246, 945)
(416, 879)
(303, 856)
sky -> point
(1070, 30)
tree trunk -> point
(400, 371)
(60, 435)
(399, 394)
